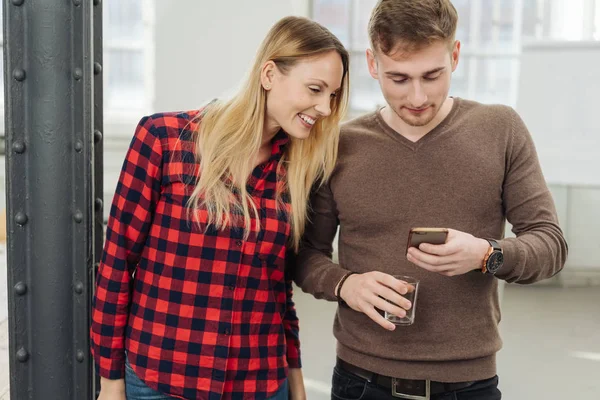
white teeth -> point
(307, 119)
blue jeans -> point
(282, 393)
(136, 389)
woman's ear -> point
(267, 75)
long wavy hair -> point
(230, 135)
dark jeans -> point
(347, 386)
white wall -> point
(559, 103)
(558, 100)
(204, 48)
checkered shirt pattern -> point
(201, 313)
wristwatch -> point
(494, 258)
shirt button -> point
(239, 243)
(232, 287)
(227, 331)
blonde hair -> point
(230, 134)
(413, 24)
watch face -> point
(494, 262)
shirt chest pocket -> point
(273, 238)
(174, 205)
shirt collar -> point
(279, 141)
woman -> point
(192, 301)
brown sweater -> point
(472, 172)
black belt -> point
(404, 388)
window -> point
(128, 58)
(491, 32)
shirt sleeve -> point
(539, 250)
(292, 327)
(137, 193)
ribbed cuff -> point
(512, 260)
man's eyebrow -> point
(393, 74)
(433, 71)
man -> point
(426, 160)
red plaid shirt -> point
(202, 314)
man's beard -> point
(418, 121)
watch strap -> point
(494, 247)
(494, 244)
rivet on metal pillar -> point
(97, 136)
(78, 287)
(22, 355)
(21, 289)
(19, 75)
(78, 217)
(19, 147)
(21, 218)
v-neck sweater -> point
(472, 172)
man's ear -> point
(455, 55)
(372, 64)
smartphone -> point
(416, 236)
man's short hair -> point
(411, 24)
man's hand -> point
(461, 253)
(296, 383)
(112, 389)
(371, 290)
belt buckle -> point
(396, 393)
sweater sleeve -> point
(314, 270)
(539, 250)
(137, 192)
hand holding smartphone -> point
(417, 236)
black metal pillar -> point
(52, 87)
(98, 166)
